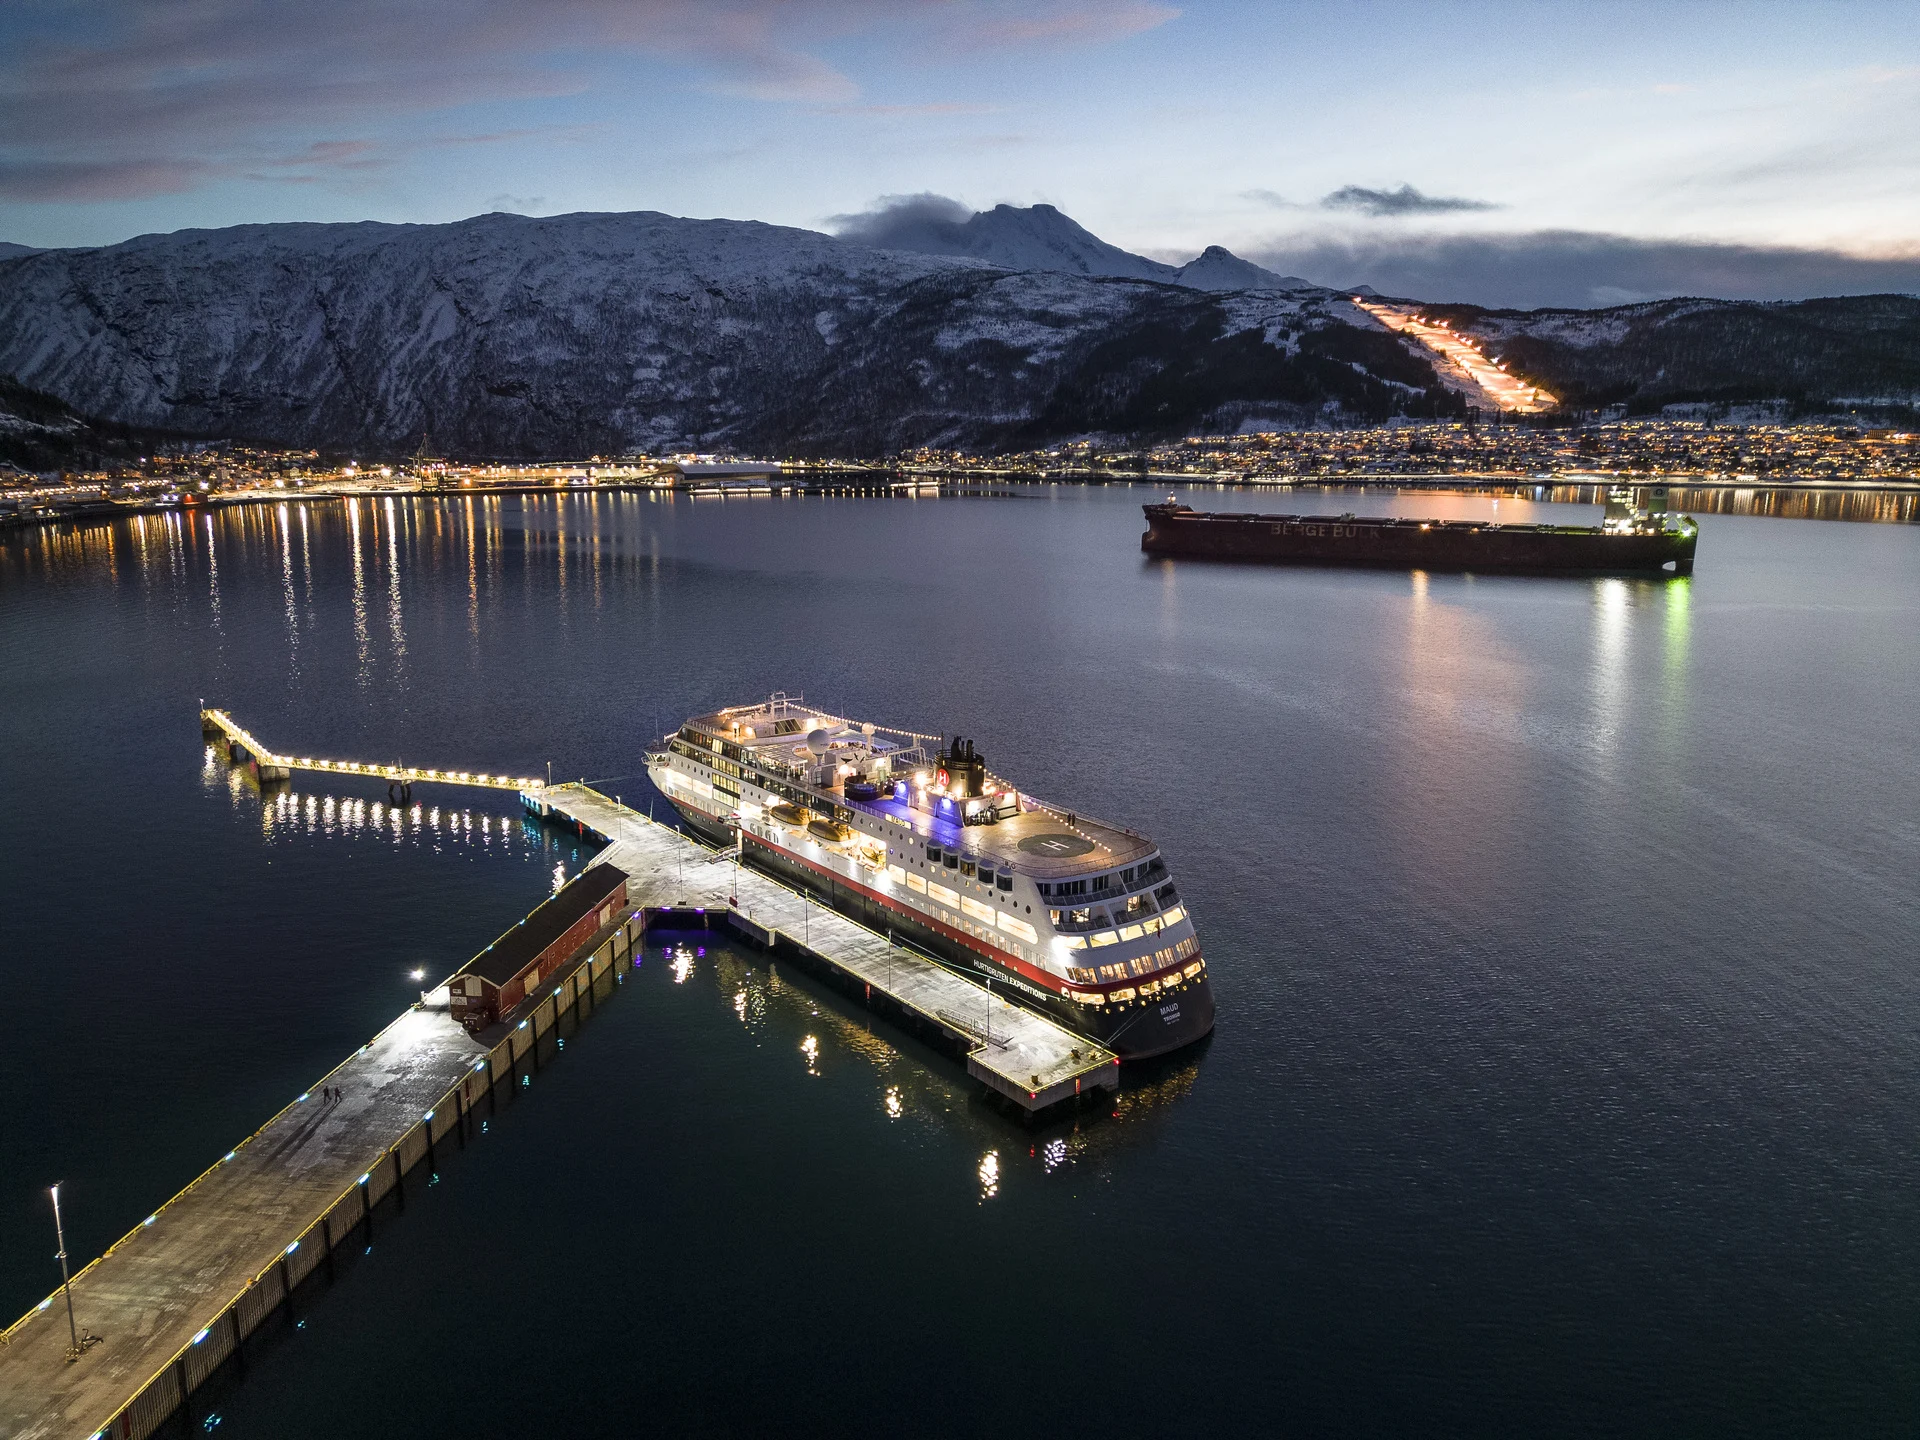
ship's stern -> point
(1160, 1024)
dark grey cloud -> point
(43, 180)
(898, 221)
(1404, 201)
(1544, 268)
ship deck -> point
(1045, 842)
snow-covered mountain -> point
(1218, 268)
(505, 335)
(591, 332)
(1039, 237)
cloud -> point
(1270, 197)
(115, 99)
(1404, 201)
(43, 181)
(517, 204)
(897, 218)
(1088, 22)
(1550, 268)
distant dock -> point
(182, 1292)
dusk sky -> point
(1584, 153)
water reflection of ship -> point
(771, 1004)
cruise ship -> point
(913, 835)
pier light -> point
(427, 1116)
(366, 1177)
(307, 1096)
(148, 1221)
(231, 1153)
(291, 1248)
(201, 1336)
(45, 1304)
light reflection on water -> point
(1541, 913)
(923, 1089)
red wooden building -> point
(491, 984)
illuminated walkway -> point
(274, 766)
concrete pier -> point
(179, 1293)
(1018, 1052)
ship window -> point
(1044, 888)
(1084, 977)
(1003, 880)
(966, 868)
(933, 852)
(950, 860)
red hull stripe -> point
(972, 942)
(1012, 962)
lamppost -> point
(78, 1347)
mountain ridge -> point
(615, 332)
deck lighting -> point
(231, 1154)
(427, 1116)
(201, 1336)
(148, 1221)
(303, 1097)
(44, 1304)
(291, 1248)
(366, 1177)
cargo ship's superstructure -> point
(1078, 918)
(1635, 536)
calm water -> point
(1564, 933)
